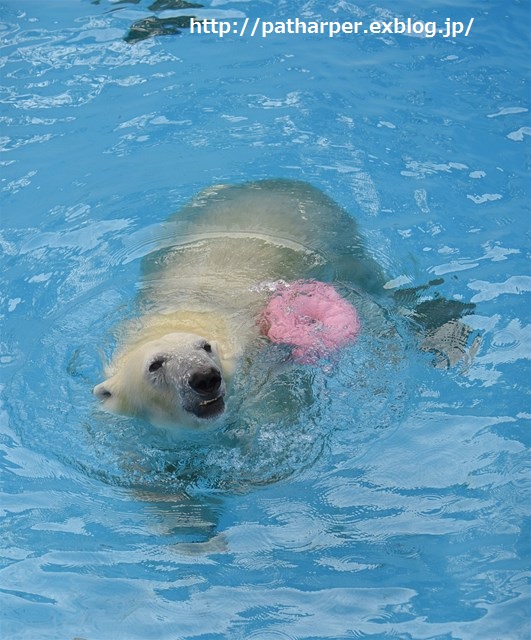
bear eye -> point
(156, 365)
(207, 347)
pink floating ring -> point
(310, 316)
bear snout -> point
(205, 383)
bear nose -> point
(205, 382)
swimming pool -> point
(397, 506)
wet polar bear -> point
(204, 288)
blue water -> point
(397, 506)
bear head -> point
(178, 378)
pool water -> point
(396, 503)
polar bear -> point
(205, 285)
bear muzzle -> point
(208, 390)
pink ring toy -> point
(310, 316)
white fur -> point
(207, 282)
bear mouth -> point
(209, 408)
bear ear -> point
(102, 391)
